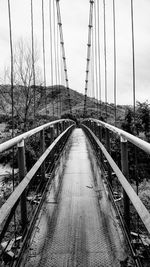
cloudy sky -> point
(75, 27)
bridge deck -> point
(80, 227)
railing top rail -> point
(13, 198)
(14, 141)
(134, 198)
(131, 138)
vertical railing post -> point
(87, 123)
(92, 128)
(125, 171)
(57, 125)
(52, 134)
(42, 150)
(22, 173)
(109, 151)
(96, 129)
(55, 131)
(97, 135)
(100, 138)
(60, 127)
(64, 125)
(100, 133)
(90, 125)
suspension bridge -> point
(75, 205)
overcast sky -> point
(75, 27)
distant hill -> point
(57, 97)
(57, 102)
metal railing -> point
(133, 211)
(121, 133)
(19, 211)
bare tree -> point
(23, 83)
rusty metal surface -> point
(79, 226)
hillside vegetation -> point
(56, 101)
(57, 97)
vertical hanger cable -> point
(51, 53)
(115, 73)
(105, 57)
(33, 59)
(99, 56)
(96, 55)
(44, 67)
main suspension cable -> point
(88, 53)
(92, 64)
(63, 52)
